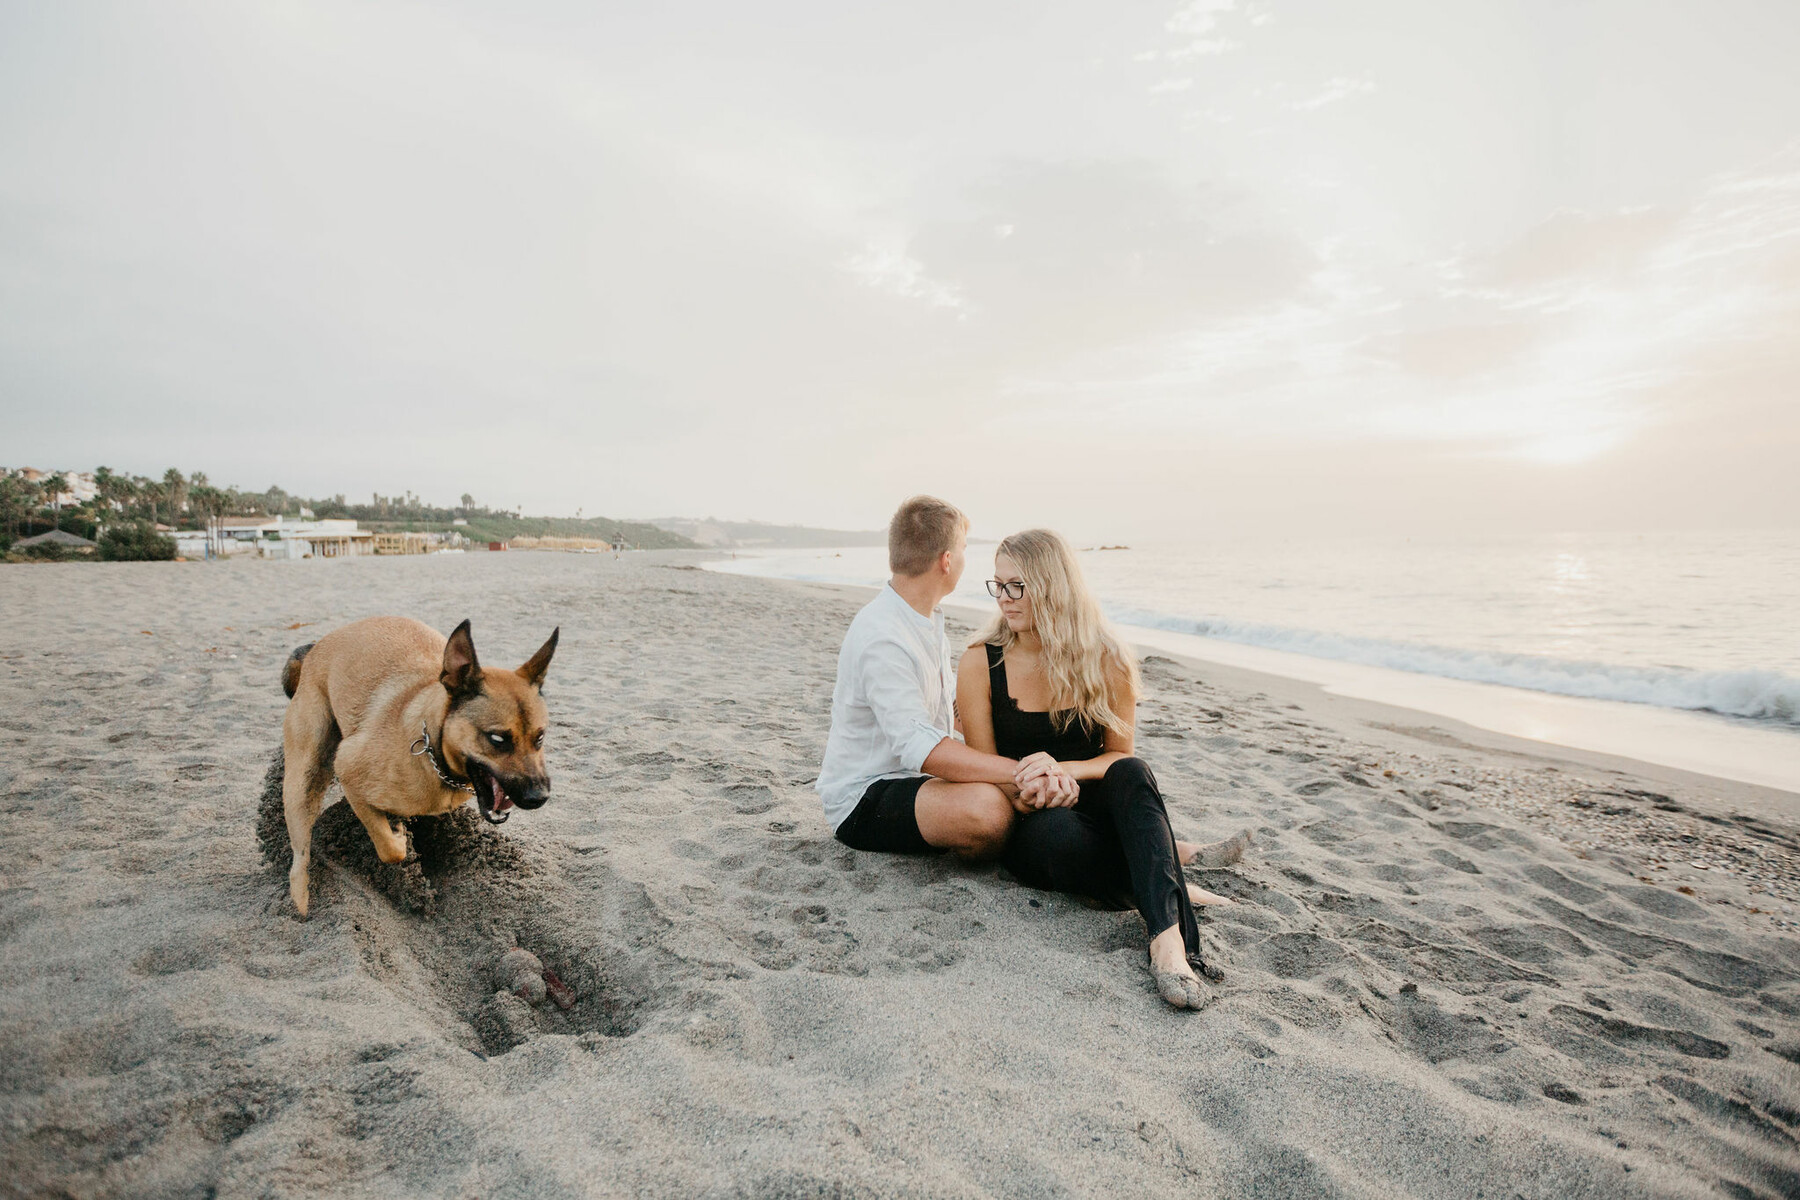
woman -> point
(1050, 684)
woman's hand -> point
(1054, 789)
(1046, 783)
(1032, 766)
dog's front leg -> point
(385, 831)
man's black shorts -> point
(884, 819)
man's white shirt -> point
(894, 701)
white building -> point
(76, 487)
(284, 537)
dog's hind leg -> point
(385, 831)
(309, 742)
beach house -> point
(286, 537)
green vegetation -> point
(487, 526)
(714, 532)
(30, 507)
(48, 552)
(136, 541)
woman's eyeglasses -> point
(1014, 590)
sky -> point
(1129, 269)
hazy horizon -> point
(1120, 269)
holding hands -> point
(1043, 782)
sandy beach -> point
(1458, 964)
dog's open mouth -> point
(490, 797)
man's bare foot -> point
(1213, 855)
(1199, 895)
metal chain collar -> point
(422, 745)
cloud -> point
(731, 247)
(1339, 88)
(1587, 337)
(1204, 46)
(1458, 351)
(1571, 243)
(886, 266)
(1101, 251)
(1195, 21)
(1199, 17)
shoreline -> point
(1652, 741)
(1550, 785)
(1374, 718)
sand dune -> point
(1450, 971)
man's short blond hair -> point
(922, 529)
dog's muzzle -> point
(496, 798)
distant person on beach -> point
(1049, 684)
(896, 776)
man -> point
(896, 776)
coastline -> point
(1694, 743)
(1403, 725)
(1546, 783)
(1431, 934)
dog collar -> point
(422, 745)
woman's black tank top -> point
(1018, 733)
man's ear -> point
(462, 670)
(535, 666)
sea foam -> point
(1759, 695)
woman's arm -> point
(1118, 745)
(974, 706)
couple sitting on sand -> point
(1042, 773)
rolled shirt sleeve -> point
(895, 695)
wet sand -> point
(1459, 964)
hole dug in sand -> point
(557, 991)
(513, 943)
(438, 848)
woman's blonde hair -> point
(1079, 648)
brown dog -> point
(412, 726)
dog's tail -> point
(290, 671)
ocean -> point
(1697, 623)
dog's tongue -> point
(502, 801)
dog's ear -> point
(462, 670)
(535, 666)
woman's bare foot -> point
(1213, 855)
(1175, 979)
(1199, 895)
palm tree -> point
(153, 494)
(33, 496)
(12, 502)
(177, 489)
(110, 488)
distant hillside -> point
(710, 532)
(500, 527)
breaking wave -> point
(1759, 695)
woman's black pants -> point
(1114, 843)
